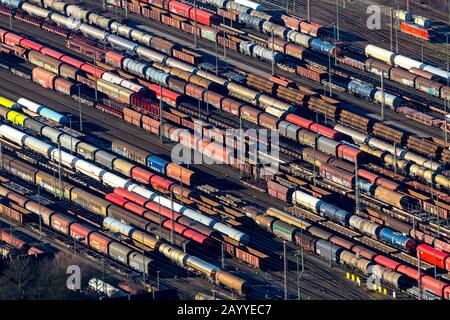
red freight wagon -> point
(387, 262)
(113, 109)
(150, 124)
(2, 34)
(410, 272)
(168, 96)
(171, 22)
(12, 240)
(133, 207)
(227, 14)
(179, 8)
(327, 132)
(349, 153)
(114, 59)
(387, 184)
(442, 209)
(178, 228)
(12, 39)
(132, 116)
(95, 71)
(341, 242)
(152, 14)
(69, 60)
(415, 30)
(114, 198)
(145, 104)
(197, 237)
(203, 17)
(435, 286)
(163, 211)
(310, 28)
(52, 53)
(372, 177)
(64, 86)
(61, 223)
(99, 242)
(131, 196)
(80, 232)
(302, 122)
(161, 182)
(339, 176)
(187, 56)
(250, 257)
(291, 22)
(12, 213)
(311, 74)
(133, 7)
(141, 175)
(305, 241)
(433, 256)
(31, 45)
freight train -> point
(208, 26)
(240, 90)
(368, 92)
(414, 25)
(413, 77)
(84, 233)
(42, 111)
(149, 220)
(393, 59)
(251, 115)
(346, 218)
(106, 159)
(250, 48)
(113, 180)
(91, 237)
(247, 48)
(337, 249)
(34, 107)
(178, 256)
(279, 25)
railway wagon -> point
(416, 31)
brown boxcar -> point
(86, 200)
(61, 223)
(403, 76)
(43, 77)
(64, 86)
(132, 117)
(194, 91)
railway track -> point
(260, 244)
(16, 93)
(351, 103)
(267, 203)
(415, 127)
(354, 19)
(172, 276)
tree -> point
(41, 278)
(17, 277)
